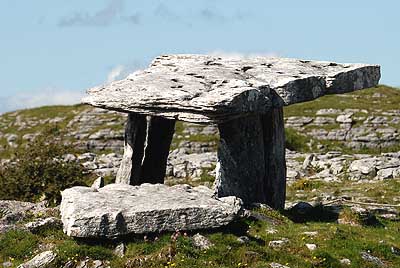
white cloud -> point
(48, 96)
(116, 73)
(121, 71)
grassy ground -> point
(334, 241)
(385, 192)
(362, 100)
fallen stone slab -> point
(121, 209)
(41, 260)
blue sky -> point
(51, 51)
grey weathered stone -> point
(345, 118)
(146, 149)
(292, 174)
(202, 88)
(182, 165)
(120, 250)
(365, 166)
(243, 239)
(201, 242)
(13, 213)
(131, 164)
(40, 224)
(278, 243)
(277, 265)
(369, 258)
(311, 234)
(329, 111)
(320, 120)
(298, 121)
(395, 250)
(84, 263)
(345, 261)
(158, 141)
(311, 247)
(7, 264)
(120, 209)
(274, 156)
(41, 260)
(385, 173)
(241, 160)
(11, 137)
(98, 183)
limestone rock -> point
(395, 250)
(201, 242)
(277, 265)
(345, 118)
(345, 261)
(120, 250)
(311, 247)
(372, 259)
(98, 183)
(40, 261)
(7, 264)
(365, 166)
(13, 213)
(278, 243)
(202, 88)
(120, 209)
(11, 137)
(243, 239)
(40, 224)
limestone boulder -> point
(41, 260)
(121, 209)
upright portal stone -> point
(131, 164)
(159, 136)
(241, 162)
(251, 159)
(146, 149)
(274, 155)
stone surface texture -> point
(41, 260)
(202, 88)
(120, 209)
(240, 169)
(135, 138)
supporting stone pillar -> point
(251, 159)
(274, 154)
(159, 137)
(241, 164)
(135, 136)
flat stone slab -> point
(121, 209)
(204, 89)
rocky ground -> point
(343, 171)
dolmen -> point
(243, 96)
